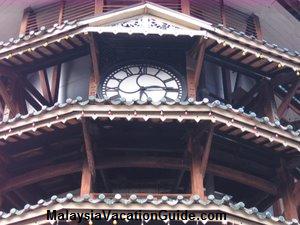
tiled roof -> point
(149, 199)
(190, 102)
(71, 25)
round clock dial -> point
(142, 81)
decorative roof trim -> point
(101, 202)
(187, 110)
(93, 24)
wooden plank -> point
(185, 7)
(45, 86)
(55, 82)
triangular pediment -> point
(146, 18)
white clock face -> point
(141, 82)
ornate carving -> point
(146, 23)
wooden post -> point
(200, 156)
(287, 187)
(185, 7)
(227, 85)
(95, 76)
(86, 180)
(24, 21)
(99, 6)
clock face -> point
(141, 82)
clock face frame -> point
(143, 80)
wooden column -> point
(95, 76)
(24, 21)
(7, 97)
(199, 161)
(88, 170)
(194, 64)
(287, 187)
(185, 7)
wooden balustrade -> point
(214, 11)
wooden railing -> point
(214, 11)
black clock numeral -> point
(111, 89)
(115, 97)
(168, 80)
(169, 99)
(127, 71)
(143, 69)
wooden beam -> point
(95, 76)
(185, 7)
(99, 6)
(199, 161)
(36, 94)
(247, 98)
(24, 21)
(62, 169)
(55, 82)
(288, 98)
(45, 86)
(286, 189)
